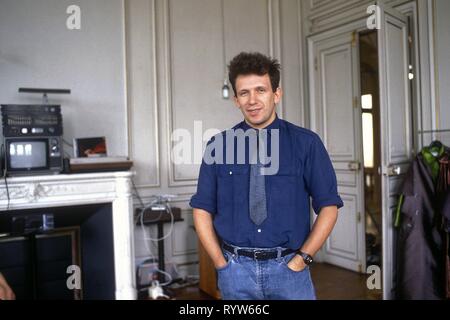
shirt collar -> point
(274, 125)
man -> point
(6, 292)
(256, 226)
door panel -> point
(337, 62)
(395, 126)
(334, 86)
(343, 242)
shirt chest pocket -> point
(287, 171)
(232, 185)
(284, 186)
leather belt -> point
(256, 254)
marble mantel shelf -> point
(61, 190)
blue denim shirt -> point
(305, 171)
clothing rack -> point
(436, 134)
(434, 131)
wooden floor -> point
(334, 283)
(331, 283)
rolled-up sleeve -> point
(206, 195)
(320, 177)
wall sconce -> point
(411, 74)
(226, 90)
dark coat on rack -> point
(421, 264)
(443, 189)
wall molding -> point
(274, 42)
(153, 103)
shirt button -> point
(231, 173)
(259, 230)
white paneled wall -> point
(442, 55)
(38, 50)
(177, 53)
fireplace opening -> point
(71, 258)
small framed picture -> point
(89, 147)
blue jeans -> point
(244, 278)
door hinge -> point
(358, 217)
(316, 64)
(355, 102)
(354, 39)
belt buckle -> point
(256, 254)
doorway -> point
(345, 63)
(371, 140)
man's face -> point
(256, 99)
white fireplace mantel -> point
(61, 190)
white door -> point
(334, 86)
(336, 115)
(396, 126)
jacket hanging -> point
(421, 264)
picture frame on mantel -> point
(92, 147)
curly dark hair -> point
(246, 63)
